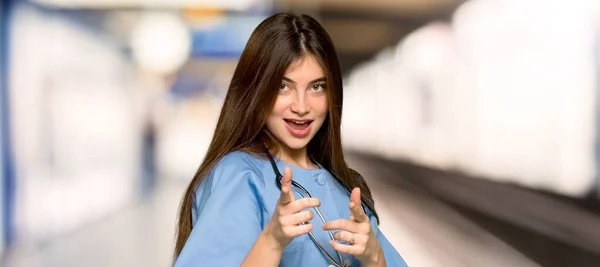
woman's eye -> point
(318, 87)
(283, 87)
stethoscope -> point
(304, 193)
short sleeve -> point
(392, 257)
(227, 216)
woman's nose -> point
(300, 105)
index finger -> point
(358, 214)
(287, 195)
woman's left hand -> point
(357, 233)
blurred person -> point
(282, 111)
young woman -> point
(282, 112)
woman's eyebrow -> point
(322, 79)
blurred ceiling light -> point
(161, 42)
(224, 4)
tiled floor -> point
(426, 232)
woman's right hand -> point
(289, 213)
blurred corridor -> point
(474, 122)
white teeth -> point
(298, 122)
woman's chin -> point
(296, 144)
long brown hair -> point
(272, 47)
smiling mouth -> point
(298, 124)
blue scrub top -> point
(236, 200)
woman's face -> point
(301, 106)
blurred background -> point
(476, 123)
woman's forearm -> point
(378, 260)
(266, 251)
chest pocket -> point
(299, 243)
(297, 253)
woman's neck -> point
(297, 157)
